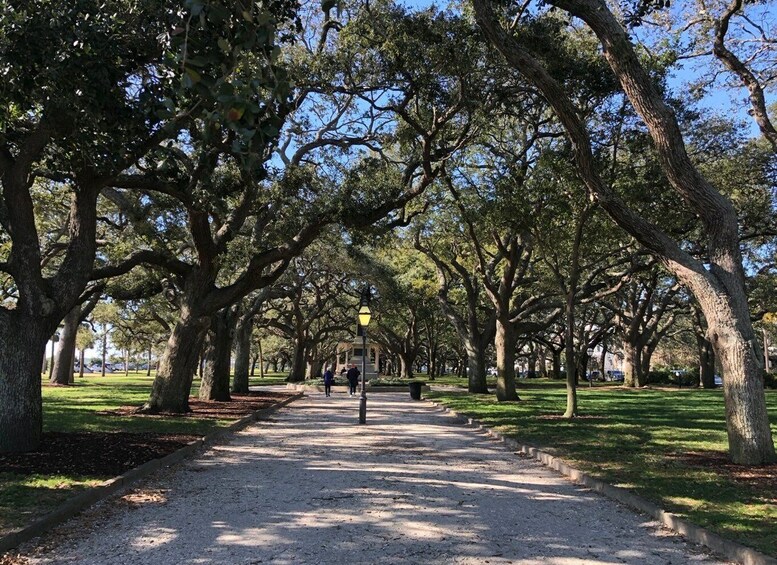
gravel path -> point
(413, 486)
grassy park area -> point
(79, 418)
(667, 445)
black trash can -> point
(415, 390)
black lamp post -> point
(364, 320)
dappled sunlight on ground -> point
(412, 486)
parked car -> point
(617, 376)
(718, 380)
(593, 376)
(491, 371)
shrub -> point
(770, 380)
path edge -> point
(92, 495)
(690, 531)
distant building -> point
(351, 352)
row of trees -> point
(181, 161)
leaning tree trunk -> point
(243, 366)
(706, 362)
(504, 344)
(22, 350)
(173, 382)
(66, 350)
(215, 378)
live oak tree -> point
(315, 308)
(644, 311)
(83, 84)
(461, 297)
(719, 285)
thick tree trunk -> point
(243, 334)
(706, 362)
(476, 366)
(22, 349)
(215, 379)
(66, 349)
(297, 371)
(556, 355)
(504, 344)
(542, 354)
(644, 364)
(405, 367)
(172, 385)
(313, 369)
(632, 364)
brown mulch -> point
(241, 405)
(108, 454)
(763, 478)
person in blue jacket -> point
(329, 378)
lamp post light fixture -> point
(365, 315)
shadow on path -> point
(412, 486)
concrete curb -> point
(83, 500)
(690, 531)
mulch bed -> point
(763, 479)
(241, 405)
(107, 454)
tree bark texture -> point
(504, 343)
(21, 409)
(632, 365)
(66, 349)
(706, 362)
(172, 385)
(476, 366)
(243, 333)
(215, 378)
(297, 370)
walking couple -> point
(352, 375)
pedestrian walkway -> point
(412, 486)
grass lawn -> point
(667, 445)
(75, 409)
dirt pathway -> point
(412, 486)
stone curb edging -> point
(690, 531)
(83, 500)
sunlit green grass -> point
(637, 439)
(77, 408)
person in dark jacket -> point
(353, 379)
(329, 378)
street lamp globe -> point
(365, 315)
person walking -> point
(353, 379)
(329, 377)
